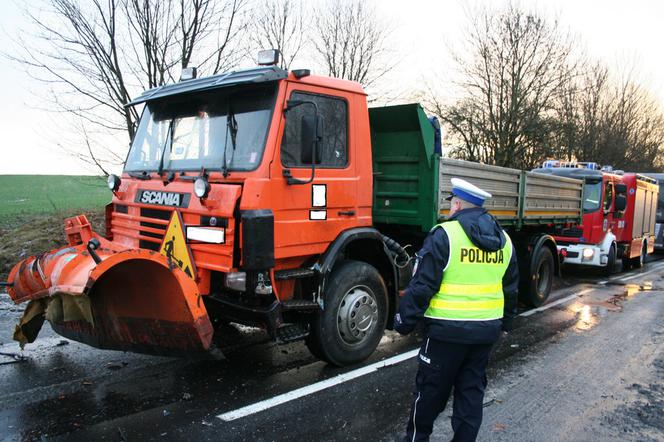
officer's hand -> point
(400, 327)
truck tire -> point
(352, 323)
(541, 278)
(611, 261)
(640, 260)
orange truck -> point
(273, 199)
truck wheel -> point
(611, 261)
(627, 264)
(352, 323)
(640, 260)
(541, 278)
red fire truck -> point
(619, 213)
(659, 226)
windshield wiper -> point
(231, 126)
(169, 137)
(142, 175)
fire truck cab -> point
(618, 216)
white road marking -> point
(576, 295)
(623, 279)
(313, 388)
(555, 303)
(630, 275)
(372, 368)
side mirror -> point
(620, 202)
(312, 133)
(621, 189)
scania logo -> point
(162, 198)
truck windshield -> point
(592, 196)
(203, 130)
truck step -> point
(291, 332)
(281, 275)
(299, 304)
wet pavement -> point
(600, 347)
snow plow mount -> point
(97, 292)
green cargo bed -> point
(411, 181)
(404, 165)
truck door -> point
(609, 214)
(310, 216)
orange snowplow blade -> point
(131, 300)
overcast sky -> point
(616, 32)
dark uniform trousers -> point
(442, 366)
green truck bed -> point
(411, 181)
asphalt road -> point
(589, 366)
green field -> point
(42, 194)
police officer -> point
(465, 287)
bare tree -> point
(95, 55)
(279, 24)
(633, 128)
(349, 41)
(609, 121)
(152, 26)
(512, 65)
(462, 119)
(592, 104)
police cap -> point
(466, 191)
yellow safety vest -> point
(472, 285)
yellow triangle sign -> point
(174, 247)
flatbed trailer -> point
(411, 182)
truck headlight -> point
(236, 281)
(113, 182)
(588, 254)
(201, 187)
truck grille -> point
(164, 215)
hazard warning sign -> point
(174, 247)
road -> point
(587, 366)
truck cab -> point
(613, 203)
(594, 241)
(283, 171)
